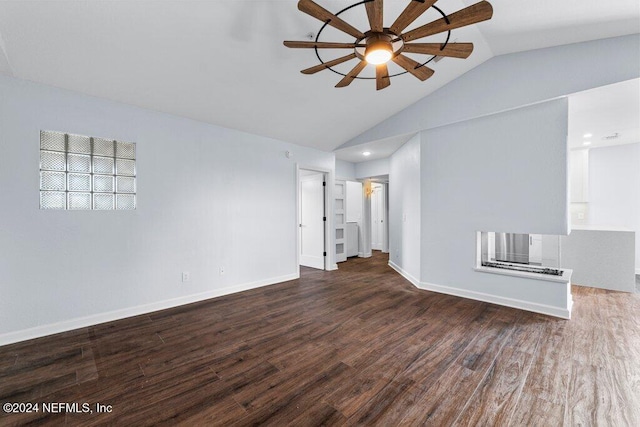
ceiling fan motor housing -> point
(376, 43)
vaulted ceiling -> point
(223, 61)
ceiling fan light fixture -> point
(378, 52)
(382, 44)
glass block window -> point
(83, 172)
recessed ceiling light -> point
(587, 135)
(366, 153)
(586, 143)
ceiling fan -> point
(380, 44)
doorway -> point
(377, 216)
(367, 212)
(312, 220)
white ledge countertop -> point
(565, 278)
(599, 228)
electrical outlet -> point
(186, 276)
(221, 270)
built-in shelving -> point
(340, 201)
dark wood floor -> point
(359, 346)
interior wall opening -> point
(366, 209)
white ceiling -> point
(603, 113)
(380, 149)
(525, 25)
(223, 61)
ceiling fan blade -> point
(320, 45)
(328, 64)
(322, 14)
(469, 15)
(374, 12)
(414, 9)
(382, 76)
(453, 50)
(346, 81)
(420, 71)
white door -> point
(377, 215)
(311, 221)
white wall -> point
(513, 80)
(578, 185)
(505, 172)
(579, 176)
(372, 168)
(354, 201)
(207, 197)
(404, 209)
(345, 170)
(614, 189)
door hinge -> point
(324, 254)
(324, 184)
(324, 218)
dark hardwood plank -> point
(537, 412)
(293, 397)
(223, 413)
(449, 388)
(380, 405)
(349, 396)
(357, 346)
(442, 402)
(495, 399)
(550, 371)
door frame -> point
(329, 262)
(381, 214)
(385, 215)
(366, 251)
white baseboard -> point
(562, 312)
(637, 270)
(415, 282)
(83, 322)
(333, 267)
